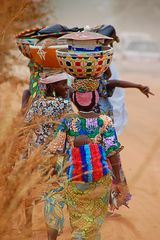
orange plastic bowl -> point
(46, 57)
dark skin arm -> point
(115, 162)
(25, 97)
(118, 187)
(124, 84)
(108, 73)
(82, 140)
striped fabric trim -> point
(103, 161)
(97, 166)
(84, 163)
(89, 162)
(77, 162)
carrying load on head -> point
(39, 45)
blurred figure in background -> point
(112, 94)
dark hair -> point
(85, 108)
(49, 90)
(109, 31)
(81, 140)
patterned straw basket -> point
(85, 85)
(24, 46)
(85, 64)
(24, 40)
(31, 37)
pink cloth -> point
(54, 78)
(85, 98)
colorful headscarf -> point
(85, 99)
(85, 85)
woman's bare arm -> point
(124, 84)
(115, 162)
(25, 97)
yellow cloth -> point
(88, 205)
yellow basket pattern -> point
(85, 65)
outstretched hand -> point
(145, 90)
(118, 197)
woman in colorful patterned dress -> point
(87, 202)
(43, 112)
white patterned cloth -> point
(118, 102)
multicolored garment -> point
(104, 90)
(118, 102)
(45, 111)
(81, 196)
(87, 163)
(104, 105)
(88, 206)
(36, 88)
(87, 211)
(99, 130)
(54, 202)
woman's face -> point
(61, 88)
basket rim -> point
(48, 47)
(66, 52)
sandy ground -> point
(141, 139)
(141, 136)
(140, 157)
